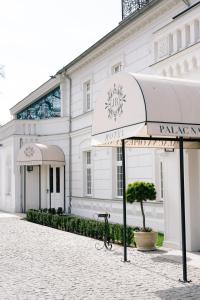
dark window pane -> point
(57, 180)
(46, 107)
(51, 180)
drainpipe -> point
(70, 143)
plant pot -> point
(146, 241)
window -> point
(161, 181)
(179, 39)
(196, 30)
(187, 35)
(171, 45)
(156, 51)
(88, 165)
(119, 171)
(87, 96)
(51, 179)
(57, 180)
(46, 107)
(116, 68)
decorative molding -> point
(178, 65)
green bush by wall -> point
(83, 226)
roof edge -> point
(114, 31)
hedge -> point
(82, 226)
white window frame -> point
(87, 96)
(88, 170)
(118, 165)
(116, 68)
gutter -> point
(70, 144)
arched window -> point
(171, 43)
(186, 66)
(194, 62)
(171, 72)
(179, 39)
(178, 69)
(196, 30)
(156, 51)
(187, 35)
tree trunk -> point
(143, 215)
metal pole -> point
(124, 197)
(184, 259)
(49, 186)
(39, 187)
(24, 189)
(64, 192)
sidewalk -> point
(38, 262)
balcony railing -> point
(129, 6)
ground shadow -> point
(174, 259)
(189, 291)
(156, 251)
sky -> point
(39, 37)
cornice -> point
(120, 33)
(82, 131)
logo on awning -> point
(29, 151)
(115, 101)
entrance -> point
(42, 176)
(56, 187)
(155, 112)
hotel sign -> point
(167, 129)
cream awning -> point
(39, 154)
(144, 105)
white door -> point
(56, 187)
(31, 200)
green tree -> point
(140, 192)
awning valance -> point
(40, 154)
(144, 105)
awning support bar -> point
(183, 230)
(124, 198)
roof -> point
(125, 22)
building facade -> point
(161, 37)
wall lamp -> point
(29, 168)
(169, 149)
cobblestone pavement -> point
(38, 262)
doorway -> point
(56, 187)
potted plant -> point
(145, 237)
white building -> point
(160, 38)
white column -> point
(192, 196)
(172, 208)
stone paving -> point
(38, 262)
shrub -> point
(83, 226)
(59, 211)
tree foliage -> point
(140, 191)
